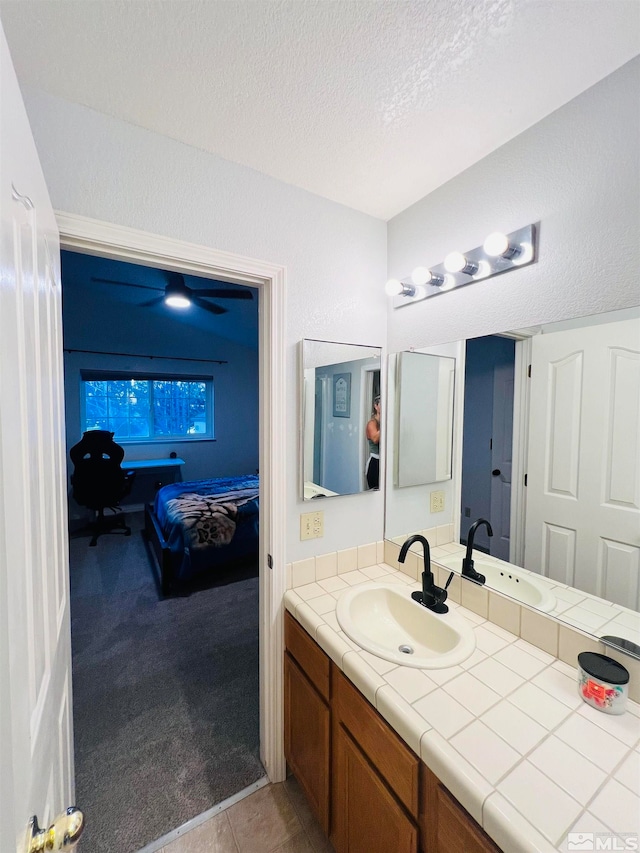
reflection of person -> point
(372, 471)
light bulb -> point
(393, 287)
(456, 262)
(448, 283)
(484, 269)
(177, 301)
(422, 275)
(497, 246)
(524, 255)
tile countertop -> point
(506, 731)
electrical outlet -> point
(437, 501)
(312, 525)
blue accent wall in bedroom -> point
(111, 318)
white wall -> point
(577, 173)
(335, 257)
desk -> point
(151, 475)
(147, 464)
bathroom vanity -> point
(369, 791)
(496, 752)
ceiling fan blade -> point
(127, 284)
(151, 302)
(211, 307)
(224, 294)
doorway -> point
(106, 240)
(165, 688)
(487, 451)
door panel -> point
(583, 495)
(35, 655)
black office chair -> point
(99, 482)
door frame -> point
(95, 237)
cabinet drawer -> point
(312, 660)
(395, 762)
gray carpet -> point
(165, 694)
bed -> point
(201, 528)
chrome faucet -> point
(432, 596)
(467, 563)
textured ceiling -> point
(371, 103)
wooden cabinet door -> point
(306, 738)
(366, 817)
(445, 825)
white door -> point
(501, 460)
(583, 490)
(36, 757)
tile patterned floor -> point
(276, 819)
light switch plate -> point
(437, 501)
(311, 525)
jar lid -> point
(603, 668)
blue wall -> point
(110, 318)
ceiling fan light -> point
(177, 300)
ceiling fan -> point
(177, 294)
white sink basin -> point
(507, 579)
(384, 620)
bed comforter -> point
(208, 524)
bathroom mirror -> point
(424, 432)
(551, 459)
(340, 423)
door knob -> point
(496, 472)
(63, 834)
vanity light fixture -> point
(498, 254)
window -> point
(148, 408)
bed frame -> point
(163, 563)
(164, 560)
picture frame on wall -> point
(342, 395)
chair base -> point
(105, 524)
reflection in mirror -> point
(553, 460)
(424, 433)
(340, 418)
